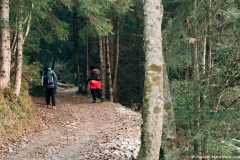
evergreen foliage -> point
(218, 85)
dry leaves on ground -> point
(77, 130)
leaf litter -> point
(77, 130)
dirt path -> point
(77, 130)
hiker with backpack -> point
(95, 83)
(50, 84)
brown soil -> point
(77, 130)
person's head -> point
(49, 69)
(92, 67)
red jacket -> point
(95, 84)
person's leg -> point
(53, 92)
(48, 97)
(99, 92)
(93, 95)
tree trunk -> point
(5, 52)
(87, 88)
(20, 42)
(109, 71)
(208, 41)
(90, 51)
(76, 48)
(111, 50)
(196, 78)
(153, 102)
(116, 65)
(14, 40)
(103, 66)
(204, 54)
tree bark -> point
(90, 51)
(87, 88)
(153, 101)
(76, 48)
(5, 52)
(109, 71)
(116, 65)
(111, 50)
(196, 78)
(103, 66)
(208, 41)
(20, 42)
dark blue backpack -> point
(49, 79)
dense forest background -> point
(200, 45)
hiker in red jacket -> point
(95, 83)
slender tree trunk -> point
(208, 41)
(101, 60)
(90, 51)
(204, 54)
(14, 40)
(153, 102)
(109, 71)
(208, 58)
(111, 49)
(116, 65)
(5, 52)
(196, 78)
(20, 42)
(197, 146)
(87, 88)
(76, 48)
(103, 66)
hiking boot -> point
(94, 101)
(49, 107)
(102, 99)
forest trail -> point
(77, 130)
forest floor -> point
(77, 130)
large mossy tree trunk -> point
(5, 52)
(153, 101)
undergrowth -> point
(17, 113)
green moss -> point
(157, 109)
(167, 106)
(147, 42)
(156, 79)
(155, 67)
